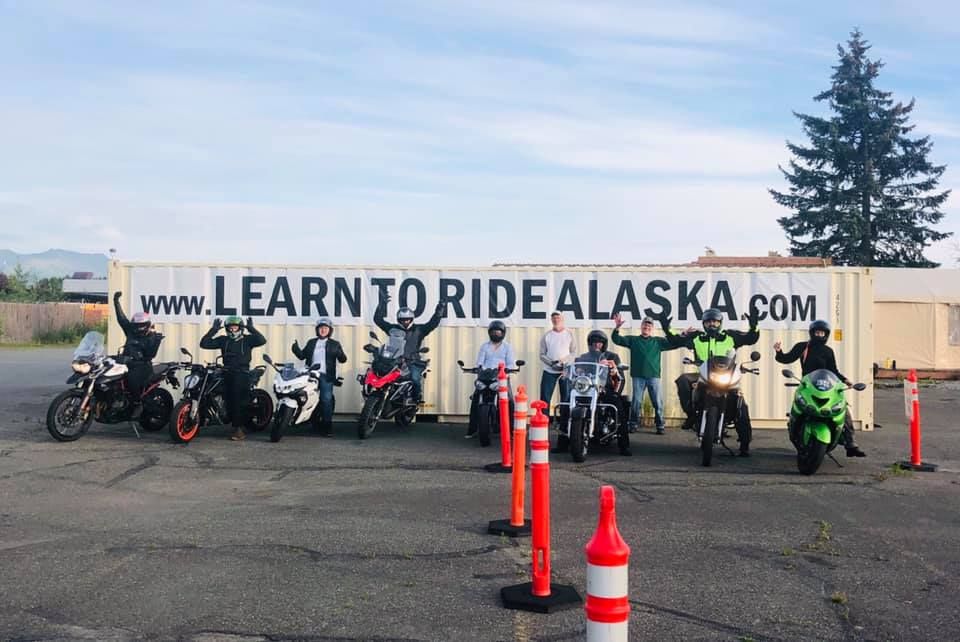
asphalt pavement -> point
(115, 537)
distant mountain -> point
(54, 263)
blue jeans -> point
(326, 400)
(548, 381)
(416, 378)
(640, 384)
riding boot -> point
(848, 440)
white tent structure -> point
(917, 318)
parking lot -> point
(116, 538)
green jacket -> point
(645, 352)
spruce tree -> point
(863, 191)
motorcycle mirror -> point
(267, 358)
(859, 387)
(460, 362)
(687, 361)
(369, 348)
(373, 335)
(623, 368)
(424, 350)
(754, 356)
(521, 362)
(791, 384)
(185, 351)
(787, 372)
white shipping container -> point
(285, 301)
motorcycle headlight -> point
(581, 384)
(480, 385)
(801, 402)
(191, 381)
(836, 408)
(720, 379)
(81, 367)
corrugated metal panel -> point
(447, 389)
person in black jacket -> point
(141, 346)
(323, 353)
(236, 349)
(415, 334)
(815, 354)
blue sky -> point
(432, 133)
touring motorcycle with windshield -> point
(386, 386)
(99, 392)
(589, 420)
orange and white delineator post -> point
(504, 465)
(540, 595)
(911, 400)
(608, 557)
(516, 526)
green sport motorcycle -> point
(817, 415)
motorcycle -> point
(298, 396)
(718, 398)
(487, 386)
(100, 393)
(204, 404)
(588, 419)
(386, 386)
(817, 416)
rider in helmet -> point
(322, 353)
(415, 334)
(236, 349)
(715, 341)
(815, 354)
(491, 354)
(597, 352)
(141, 346)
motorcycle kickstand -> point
(724, 444)
(830, 455)
(135, 431)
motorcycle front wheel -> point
(281, 421)
(64, 422)
(261, 410)
(579, 438)
(157, 406)
(369, 416)
(183, 428)
(709, 435)
(811, 456)
(485, 419)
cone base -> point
(520, 597)
(498, 468)
(504, 527)
(923, 467)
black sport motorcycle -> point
(100, 392)
(203, 402)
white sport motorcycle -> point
(588, 416)
(298, 396)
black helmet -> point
(405, 314)
(594, 336)
(712, 314)
(323, 321)
(820, 325)
(494, 327)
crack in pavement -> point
(313, 554)
(713, 625)
(148, 462)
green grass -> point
(70, 335)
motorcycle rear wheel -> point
(183, 428)
(260, 411)
(369, 416)
(157, 406)
(66, 405)
(709, 435)
(281, 421)
(810, 457)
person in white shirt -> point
(557, 349)
(491, 354)
(323, 352)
